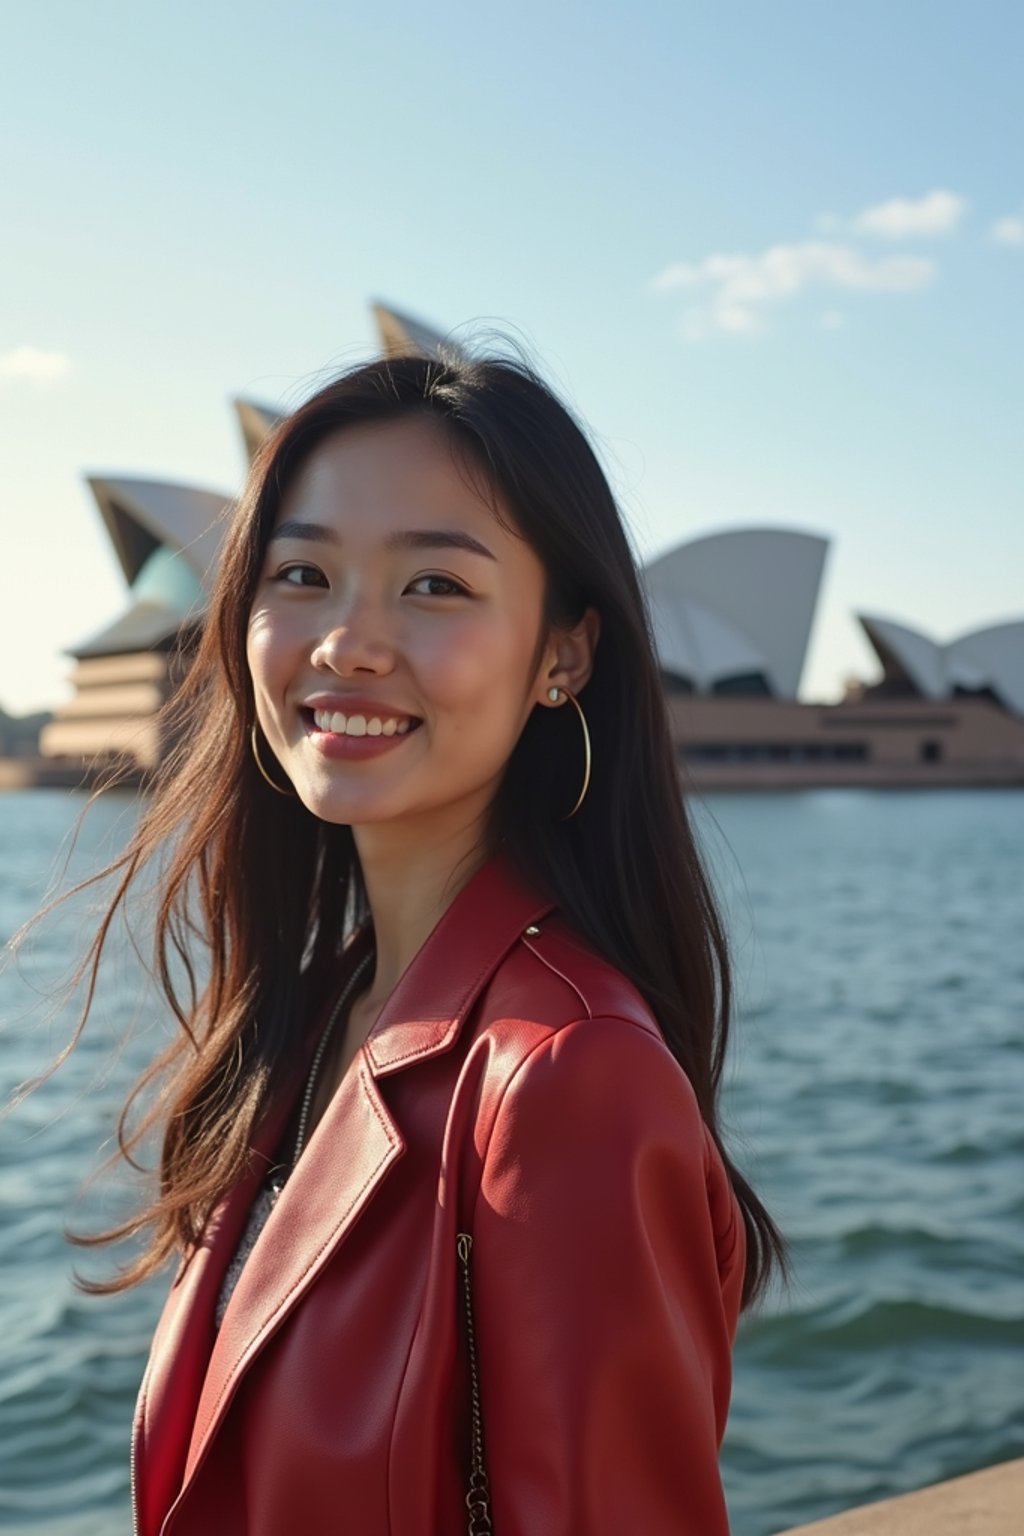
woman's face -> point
(389, 593)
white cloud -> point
(831, 320)
(738, 286)
(34, 365)
(1008, 231)
(937, 213)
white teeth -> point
(358, 725)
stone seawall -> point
(987, 1503)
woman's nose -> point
(358, 640)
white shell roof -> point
(257, 422)
(997, 652)
(909, 652)
(697, 644)
(992, 657)
(397, 332)
(401, 333)
(144, 515)
(746, 599)
(166, 594)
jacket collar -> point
(424, 1014)
(329, 1188)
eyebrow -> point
(403, 538)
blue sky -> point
(773, 255)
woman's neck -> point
(408, 889)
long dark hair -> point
(626, 870)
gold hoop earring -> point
(553, 696)
(259, 765)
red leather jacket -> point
(515, 1086)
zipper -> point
(137, 1420)
(131, 1483)
(478, 1499)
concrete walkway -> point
(988, 1503)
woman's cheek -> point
(269, 644)
(458, 667)
(259, 631)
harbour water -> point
(875, 1099)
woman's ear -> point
(570, 658)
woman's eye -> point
(455, 587)
(296, 576)
(309, 576)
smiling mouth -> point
(331, 723)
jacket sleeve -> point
(607, 1265)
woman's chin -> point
(339, 806)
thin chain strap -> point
(478, 1499)
(300, 1138)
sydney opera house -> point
(731, 616)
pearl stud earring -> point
(553, 694)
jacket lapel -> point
(343, 1164)
(180, 1350)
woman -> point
(458, 1239)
